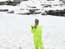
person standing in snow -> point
(37, 33)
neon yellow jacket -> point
(37, 31)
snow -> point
(15, 31)
(26, 6)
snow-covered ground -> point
(15, 31)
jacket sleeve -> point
(33, 30)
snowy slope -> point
(15, 31)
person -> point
(37, 33)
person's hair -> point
(36, 20)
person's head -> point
(36, 21)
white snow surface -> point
(15, 31)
